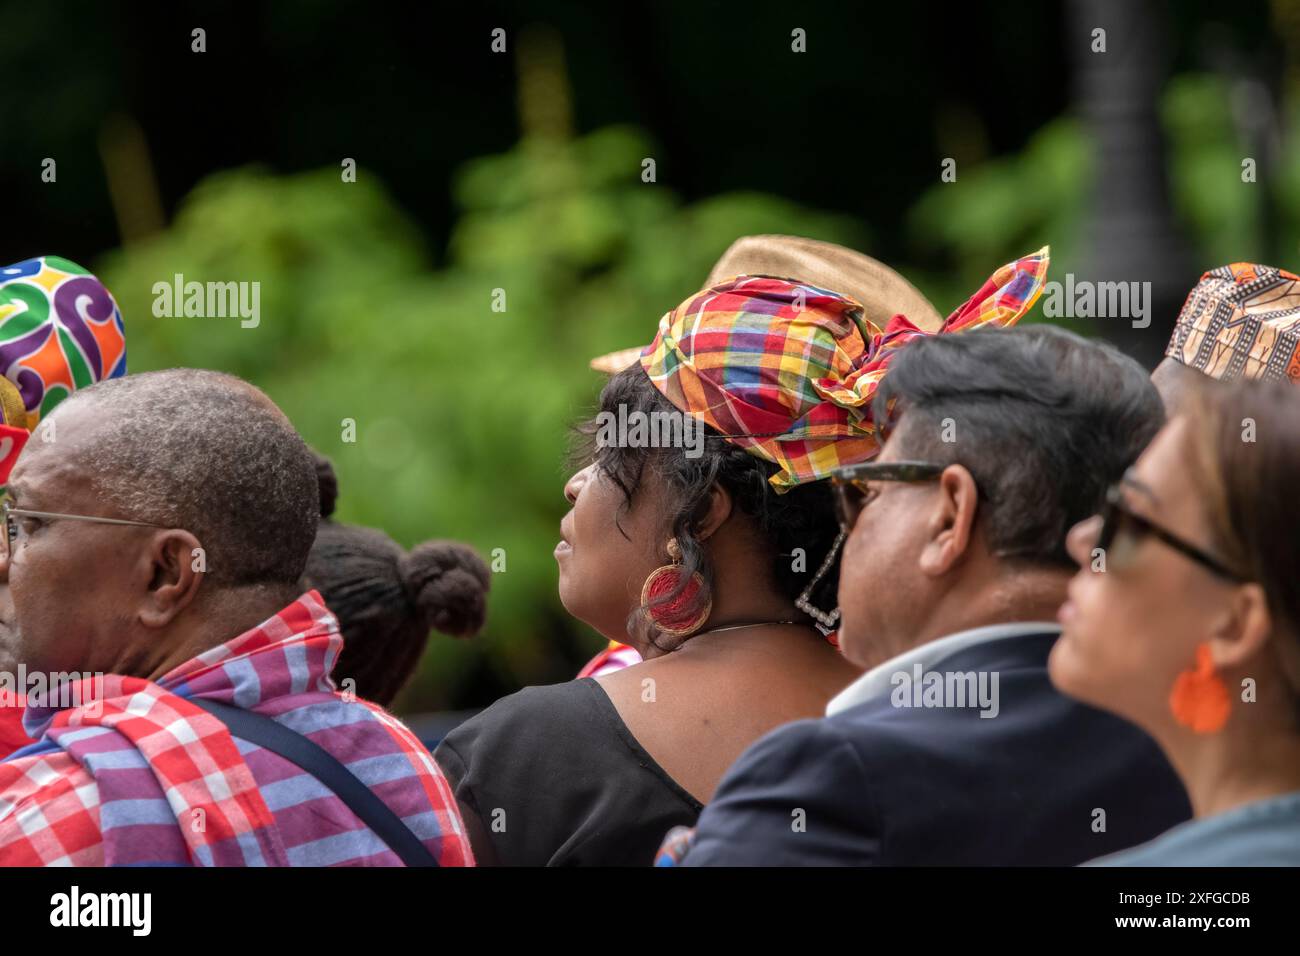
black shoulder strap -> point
(299, 750)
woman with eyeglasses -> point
(1185, 618)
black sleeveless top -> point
(551, 776)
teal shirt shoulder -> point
(1262, 833)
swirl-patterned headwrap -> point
(60, 330)
(787, 370)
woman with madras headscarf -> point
(717, 562)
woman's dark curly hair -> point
(801, 518)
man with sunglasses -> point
(953, 747)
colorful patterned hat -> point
(787, 370)
(1241, 321)
(60, 330)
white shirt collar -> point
(877, 681)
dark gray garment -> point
(551, 776)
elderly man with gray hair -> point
(154, 540)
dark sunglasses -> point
(1116, 516)
(853, 491)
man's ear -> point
(717, 511)
(950, 523)
(175, 565)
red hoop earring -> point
(674, 617)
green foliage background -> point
(462, 413)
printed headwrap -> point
(60, 330)
(1241, 321)
(787, 370)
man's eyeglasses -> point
(853, 490)
(1117, 516)
(12, 531)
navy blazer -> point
(880, 784)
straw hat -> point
(882, 292)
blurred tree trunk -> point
(1131, 233)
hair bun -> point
(448, 583)
(327, 482)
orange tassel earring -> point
(1199, 699)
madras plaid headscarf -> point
(1241, 321)
(787, 370)
(60, 330)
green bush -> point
(462, 413)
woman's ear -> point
(176, 564)
(1241, 632)
(717, 512)
(950, 524)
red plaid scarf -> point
(143, 776)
